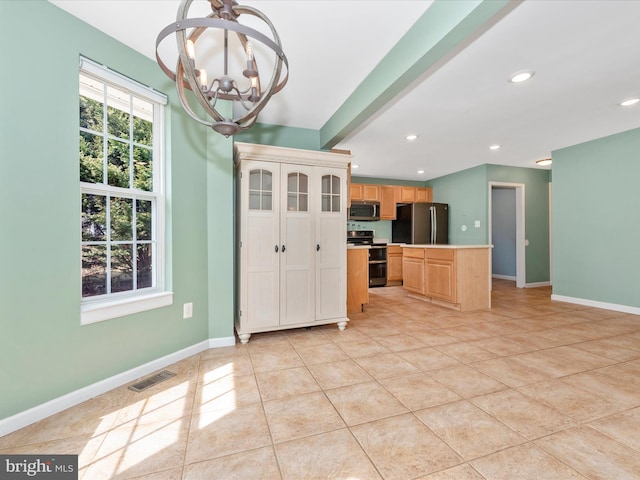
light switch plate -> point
(477, 223)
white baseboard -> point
(592, 303)
(35, 414)
(537, 284)
(504, 277)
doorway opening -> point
(506, 231)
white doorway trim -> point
(520, 234)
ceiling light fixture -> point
(544, 162)
(630, 101)
(244, 86)
(411, 137)
(420, 172)
(355, 165)
(494, 147)
(521, 76)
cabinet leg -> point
(244, 338)
(342, 325)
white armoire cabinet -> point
(291, 238)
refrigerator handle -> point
(434, 223)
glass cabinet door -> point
(260, 189)
(330, 193)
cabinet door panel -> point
(330, 246)
(260, 234)
(441, 280)
(413, 274)
(297, 291)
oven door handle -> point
(371, 262)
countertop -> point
(354, 247)
(451, 247)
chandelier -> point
(238, 79)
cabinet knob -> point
(317, 247)
(276, 248)
(283, 248)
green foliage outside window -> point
(116, 248)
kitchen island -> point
(454, 276)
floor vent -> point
(151, 381)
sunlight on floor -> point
(218, 396)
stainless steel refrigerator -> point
(421, 223)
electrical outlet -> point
(187, 310)
(477, 223)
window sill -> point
(92, 313)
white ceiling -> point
(584, 53)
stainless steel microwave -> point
(364, 211)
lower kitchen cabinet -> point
(291, 211)
(413, 272)
(357, 279)
(394, 265)
(455, 276)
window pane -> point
(326, 184)
(118, 112)
(142, 169)
(267, 183)
(94, 270)
(121, 268)
(292, 182)
(254, 201)
(326, 203)
(118, 166)
(304, 183)
(335, 203)
(142, 122)
(266, 201)
(94, 215)
(254, 179)
(145, 271)
(121, 217)
(335, 188)
(90, 114)
(91, 158)
(302, 202)
(143, 220)
(292, 202)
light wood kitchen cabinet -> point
(388, 200)
(413, 271)
(357, 279)
(356, 191)
(455, 276)
(407, 194)
(440, 274)
(291, 238)
(424, 195)
(371, 193)
(394, 265)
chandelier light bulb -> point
(191, 50)
(204, 82)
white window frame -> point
(114, 305)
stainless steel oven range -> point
(377, 255)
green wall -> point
(44, 351)
(596, 225)
(467, 193)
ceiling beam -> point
(444, 30)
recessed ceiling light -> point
(355, 166)
(544, 162)
(521, 76)
(630, 101)
(494, 147)
(411, 137)
(421, 171)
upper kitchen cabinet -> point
(424, 195)
(388, 200)
(291, 210)
(362, 191)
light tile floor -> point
(532, 389)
